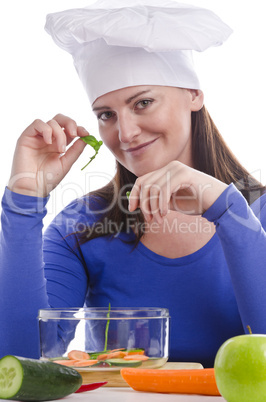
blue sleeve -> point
(36, 271)
(241, 230)
(22, 282)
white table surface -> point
(110, 394)
(121, 394)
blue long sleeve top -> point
(212, 294)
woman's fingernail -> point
(85, 131)
(162, 213)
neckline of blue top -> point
(187, 259)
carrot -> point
(116, 355)
(65, 362)
(133, 352)
(102, 357)
(78, 355)
(117, 350)
(84, 363)
(112, 355)
(172, 381)
(136, 357)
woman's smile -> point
(140, 149)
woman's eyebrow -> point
(94, 109)
(127, 101)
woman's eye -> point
(143, 103)
(105, 115)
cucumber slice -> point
(124, 363)
(51, 359)
(135, 350)
(24, 379)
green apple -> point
(240, 368)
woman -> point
(187, 240)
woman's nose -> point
(128, 127)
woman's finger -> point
(133, 200)
(69, 125)
(58, 135)
(82, 132)
(144, 202)
(38, 128)
(154, 202)
(72, 154)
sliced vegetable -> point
(84, 363)
(78, 355)
(102, 356)
(172, 381)
(94, 143)
(116, 355)
(90, 387)
(58, 358)
(24, 379)
(124, 363)
(118, 350)
(136, 357)
(136, 352)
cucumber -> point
(136, 350)
(124, 363)
(51, 359)
(24, 379)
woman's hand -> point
(41, 160)
(175, 187)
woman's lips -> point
(140, 148)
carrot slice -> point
(116, 355)
(136, 357)
(133, 352)
(172, 381)
(65, 362)
(84, 363)
(78, 355)
(117, 350)
(102, 357)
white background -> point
(38, 80)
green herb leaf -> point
(94, 143)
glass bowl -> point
(91, 339)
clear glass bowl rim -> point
(103, 313)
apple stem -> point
(249, 329)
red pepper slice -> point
(90, 387)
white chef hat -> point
(122, 43)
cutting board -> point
(114, 378)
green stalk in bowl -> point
(107, 328)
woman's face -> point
(146, 127)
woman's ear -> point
(197, 99)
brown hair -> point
(210, 154)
